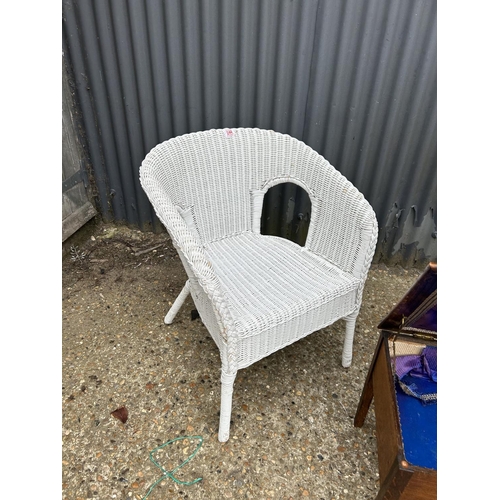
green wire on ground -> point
(171, 473)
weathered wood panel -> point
(76, 207)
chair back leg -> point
(177, 304)
(227, 382)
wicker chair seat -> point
(270, 281)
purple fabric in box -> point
(423, 365)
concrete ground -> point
(292, 432)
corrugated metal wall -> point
(354, 79)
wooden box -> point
(406, 404)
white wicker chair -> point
(256, 293)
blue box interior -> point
(418, 428)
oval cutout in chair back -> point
(286, 212)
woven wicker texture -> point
(257, 294)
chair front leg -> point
(227, 382)
(349, 339)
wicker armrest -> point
(190, 250)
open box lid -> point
(417, 310)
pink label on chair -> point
(229, 132)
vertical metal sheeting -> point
(354, 79)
